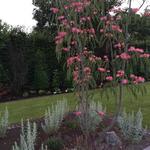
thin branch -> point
(142, 4)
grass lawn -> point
(35, 107)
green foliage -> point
(4, 122)
(54, 116)
(71, 124)
(56, 80)
(27, 137)
(19, 66)
(3, 75)
(131, 126)
(55, 143)
(40, 75)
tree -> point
(16, 47)
(78, 36)
(40, 81)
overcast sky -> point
(19, 12)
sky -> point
(19, 12)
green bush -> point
(55, 143)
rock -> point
(42, 92)
(147, 148)
(25, 94)
(112, 139)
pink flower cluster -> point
(147, 14)
(135, 10)
(120, 73)
(77, 113)
(116, 28)
(124, 81)
(133, 49)
(54, 10)
(109, 78)
(119, 45)
(77, 6)
(87, 70)
(77, 30)
(101, 69)
(137, 79)
(145, 55)
(101, 113)
(84, 19)
(125, 56)
(59, 38)
(72, 60)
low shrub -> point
(44, 147)
(55, 143)
(27, 137)
(92, 118)
(54, 116)
(131, 126)
(4, 122)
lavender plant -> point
(54, 116)
(4, 122)
(27, 137)
(131, 126)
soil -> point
(71, 134)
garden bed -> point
(71, 135)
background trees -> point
(28, 60)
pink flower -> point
(133, 49)
(77, 113)
(116, 28)
(61, 17)
(70, 61)
(118, 45)
(54, 10)
(65, 49)
(87, 70)
(104, 18)
(132, 76)
(135, 10)
(140, 50)
(145, 55)
(109, 78)
(147, 14)
(125, 56)
(101, 69)
(101, 30)
(59, 38)
(92, 31)
(140, 79)
(76, 30)
(120, 73)
(124, 81)
(75, 75)
(101, 113)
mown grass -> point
(35, 107)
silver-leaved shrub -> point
(92, 118)
(4, 122)
(54, 116)
(131, 125)
(27, 137)
(44, 147)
